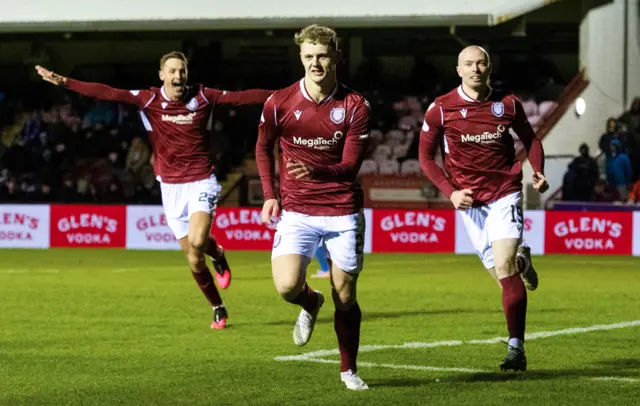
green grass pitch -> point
(107, 327)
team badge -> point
(497, 109)
(337, 115)
(193, 104)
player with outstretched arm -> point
(175, 116)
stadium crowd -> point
(614, 175)
(64, 148)
(82, 151)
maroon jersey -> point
(478, 149)
(331, 136)
(177, 129)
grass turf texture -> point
(81, 327)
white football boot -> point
(305, 323)
(353, 381)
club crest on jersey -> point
(193, 104)
(497, 109)
(337, 115)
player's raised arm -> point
(139, 98)
(268, 133)
(240, 98)
(430, 139)
(356, 144)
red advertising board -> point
(88, 226)
(413, 231)
(589, 233)
(238, 228)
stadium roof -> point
(118, 15)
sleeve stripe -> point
(441, 116)
(353, 114)
(153, 96)
(202, 94)
(275, 114)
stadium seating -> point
(369, 166)
(394, 150)
(410, 167)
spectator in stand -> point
(31, 129)
(610, 134)
(9, 192)
(67, 193)
(634, 194)
(619, 170)
(116, 147)
(54, 126)
(631, 120)
(44, 194)
(61, 159)
(103, 112)
(4, 176)
(28, 188)
(604, 193)
(113, 194)
(632, 117)
(581, 177)
(137, 157)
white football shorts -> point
(500, 220)
(181, 200)
(342, 237)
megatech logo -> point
(180, 119)
(486, 137)
(319, 143)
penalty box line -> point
(315, 356)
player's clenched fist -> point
(540, 182)
(270, 209)
(50, 76)
(299, 169)
(462, 199)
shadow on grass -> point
(549, 374)
(398, 382)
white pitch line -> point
(396, 366)
(615, 378)
(313, 355)
(369, 348)
(24, 270)
(10, 271)
(575, 330)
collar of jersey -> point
(303, 89)
(164, 94)
(468, 98)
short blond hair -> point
(317, 34)
(173, 55)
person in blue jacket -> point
(619, 170)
